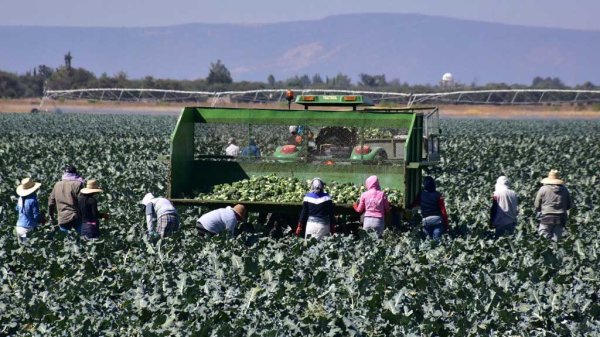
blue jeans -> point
(434, 231)
(75, 224)
(505, 230)
(433, 227)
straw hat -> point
(91, 187)
(553, 178)
(240, 210)
(27, 187)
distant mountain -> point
(413, 48)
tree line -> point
(34, 82)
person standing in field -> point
(433, 210)
(63, 200)
(219, 220)
(88, 207)
(160, 211)
(232, 148)
(28, 208)
(317, 215)
(375, 204)
(553, 202)
(503, 214)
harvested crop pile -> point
(286, 189)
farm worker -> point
(375, 204)
(232, 149)
(503, 214)
(553, 201)
(317, 215)
(433, 209)
(161, 211)
(28, 208)
(63, 200)
(251, 150)
(219, 220)
(88, 207)
(295, 138)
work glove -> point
(355, 206)
(299, 229)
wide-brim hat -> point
(240, 210)
(27, 187)
(553, 178)
(91, 187)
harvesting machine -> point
(343, 138)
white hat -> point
(293, 128)
(91, 187)
(27, 187)
(147, 198)
(553, 178)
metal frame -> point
(492, 97)
(187, 174)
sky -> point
(570, 14)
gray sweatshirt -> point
(553, 199)
(219, 220)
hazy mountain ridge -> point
(413, 48)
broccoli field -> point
(253, 285)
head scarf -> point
(317, 185)
(429, 184)
(502, 184)
(372, 182)
(506, 199)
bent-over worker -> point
(220, 220)
(161, 211)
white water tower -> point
(447, 80)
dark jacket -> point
(317, 205)
(63, 199)
(88, 208)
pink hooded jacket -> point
(373, 202)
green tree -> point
(10, 85)
(316, 79)
(547, 83)
(73, 78)
(340, 81)
(271, 80)
(372, 81)
(219, 74)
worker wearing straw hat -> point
(28, 208)
(88, 208)
(220, 220)
(553, 201)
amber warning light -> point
(308, 98)
(350, 98)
